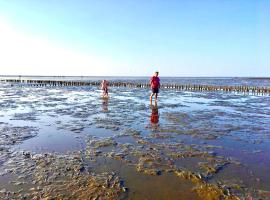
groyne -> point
(187, 87)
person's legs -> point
(154, 92)
(151, 96)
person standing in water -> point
(104, 87)
(155, 85)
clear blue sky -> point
(124, 37)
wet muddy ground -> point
(69, 143)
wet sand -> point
(69, 143)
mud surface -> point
(69, 143)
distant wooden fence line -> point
(186, 87)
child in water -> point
(104, 87)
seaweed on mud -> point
(160, 136)
(76, 126)
(211, 167)
(108, 123)
(31, 116)
(102, 143)
(213, 192)
(11, 135)
(150, 163)
(130, 132)
(60, 177)
(181, 118)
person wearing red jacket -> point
(155, 85)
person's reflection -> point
(105, 104)
(154, 115)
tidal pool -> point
(69, 143)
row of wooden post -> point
(245, 89)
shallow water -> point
(208, 140)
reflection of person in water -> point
(154, 115)
(105, 105)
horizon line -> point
(131, 76)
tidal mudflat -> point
(69, 143)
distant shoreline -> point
(206, 81)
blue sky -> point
(135, 38)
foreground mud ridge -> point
(69, 143)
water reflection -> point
(105, 104)
(154, 115)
